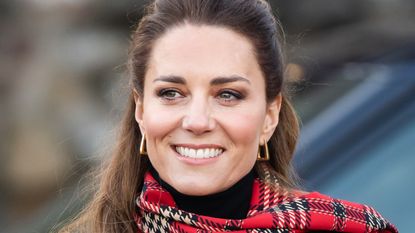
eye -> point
(169, 94)
(230, 95)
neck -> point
(232, 203)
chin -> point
(193, 188)
(197, 192)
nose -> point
(198, 118)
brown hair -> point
(113, 207)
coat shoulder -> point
(344, 213)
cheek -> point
(244, 127)
(158, 122)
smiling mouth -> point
(200, 153)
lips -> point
(199, 153)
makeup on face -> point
(204, 108)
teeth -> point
(192, 153)
(198, 153)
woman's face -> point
(204, 111)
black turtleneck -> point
(232, 203)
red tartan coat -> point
(270, 211)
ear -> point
(271, 119)
(138, 114)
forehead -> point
(203, 50)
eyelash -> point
(235, 95)
(162, 93)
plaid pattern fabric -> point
(270, 211)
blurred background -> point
(63, 87)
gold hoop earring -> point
(266, 152)
(143, 147)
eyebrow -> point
(171, 79)
(214, 82)
(224, 80)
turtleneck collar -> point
(232, 203)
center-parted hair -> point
(113, 206)
(250, 18)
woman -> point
(209, 134)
